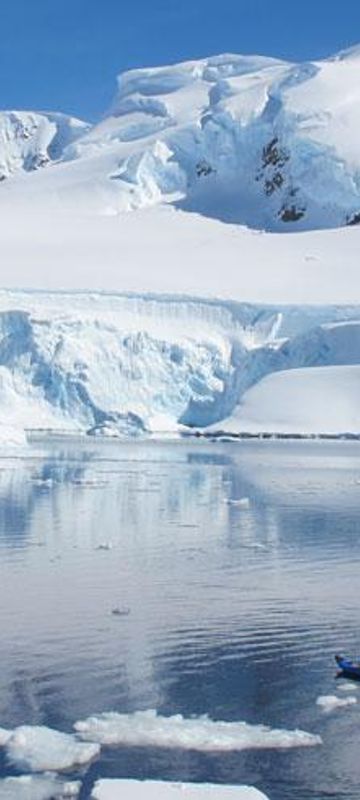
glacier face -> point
(130, 364)
(243, 139)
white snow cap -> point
(157, 790)
(245, 139)
(149, 729)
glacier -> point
(163, 268)
(135, 365)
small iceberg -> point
(241, 502)
(42, 787)
(112, 789)
(330, 702)
(40, 749)
(149, 729)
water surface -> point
(224, 610)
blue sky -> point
(64, 54)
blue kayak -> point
(349, 669)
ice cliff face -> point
(243, 139)
(118, 365)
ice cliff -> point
(128, 365)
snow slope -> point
(177, 187)
(319, 400)
(167, 251)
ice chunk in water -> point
(240, 502)
(330, 702)
(148, 729)
(44, 787)
(348, 687)
(38, 749)
(4, 736)
(157, 790)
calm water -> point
(231, 612)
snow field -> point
(301, 401)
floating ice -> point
(4, 736)
(44, 787)
(119, 611)
(330, 702)
(149, 729)
(42, 481)
(157, 790)
(38, 749)
(241, 502)
(348, 687)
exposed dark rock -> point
(275, 155)
(203, 168)
(40, 160)
(291, 213)
(273, 184)
(354, 219)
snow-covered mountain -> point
(178, 201)
(249, 140)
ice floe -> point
(157, 790)
(348, 687)
(149, 729)
(4, 736)
(39, 749)
(241, 502)
(44, 787)
(330, 702)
